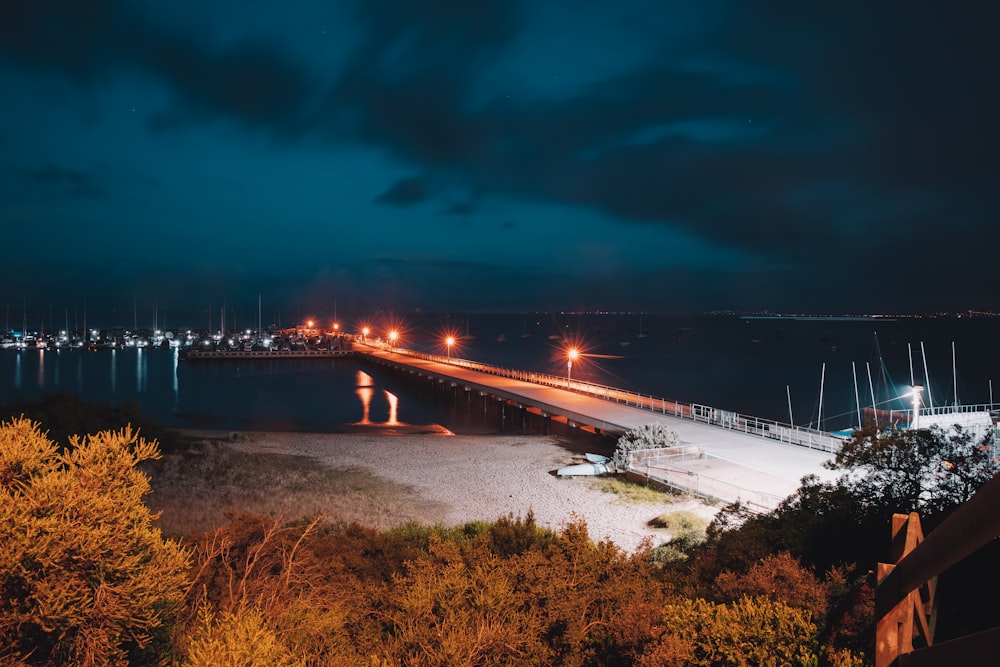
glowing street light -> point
(916, 406)
(448, 343)
(364, 334)
(572, 354)
(393, 337)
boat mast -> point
(788, 392)
(909, 352)
(857, 397)
(927, 378)
(871, 388)
(822, 379)
(954, 374)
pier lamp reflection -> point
(572, 354)
(365, 391)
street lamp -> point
(449, 342)
(364, 334)
(916, 406)
(393, 337)
(571, 355)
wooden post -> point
(917, 611)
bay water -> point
(806, 371)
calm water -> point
(750, 366)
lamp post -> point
(393, 337)
(448, 343)
(916, 406)
(364, 334)
(571, 355)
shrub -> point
(85, 578)
(647, 436)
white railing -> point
(765, 428)
(664, 467)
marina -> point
(817, 375)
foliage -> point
(927, 470)
(780, 578)
(749, 631)
(680, 522)
(261, 575)
(84, 577)
(688, 532)
(647, 436)
(240, 637)
(630, 492)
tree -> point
(926, 470)
(647, 436)
(85, 578)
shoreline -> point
(385, 480)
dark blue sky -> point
(499, 155)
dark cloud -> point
(53, 178)
(86, 42)
(820, 142)
(404, 192)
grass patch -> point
(632, 492)
(682, 521)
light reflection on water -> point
(757, 367)
(305, 395)
(365, 393)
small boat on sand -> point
(596, 465)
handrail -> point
(654, 465)
(765, 428)
(973, 524)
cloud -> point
(405, 192)
(63, 180)
(760, 126)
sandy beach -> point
(388, 479)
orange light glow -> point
(336, 326)
(573, 354)
(310, 324)
(393, 336)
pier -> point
(756, 461)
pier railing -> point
(664, 467)
(734, 421)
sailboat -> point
(919, 411)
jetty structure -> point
(721, 454)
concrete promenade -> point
(742, 459)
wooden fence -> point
(905, 599)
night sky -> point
(497, 155)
